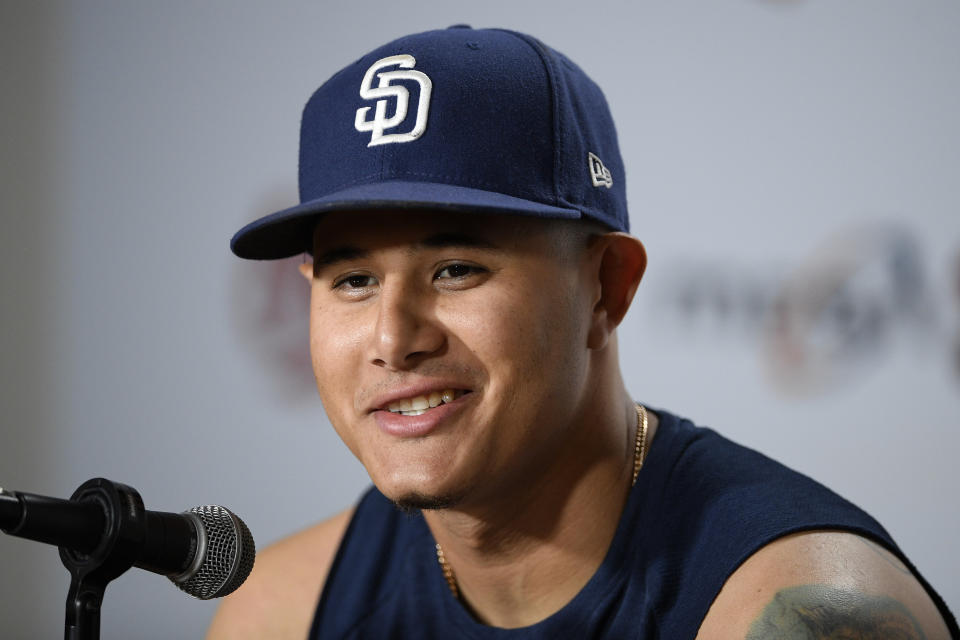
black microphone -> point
(206, 551)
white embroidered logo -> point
(384, 90)
(599, 174)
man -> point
(462, 197)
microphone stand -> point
(90, 572)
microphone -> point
(206, 551)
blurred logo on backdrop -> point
(270, 301)
(824, 321)
(842, 308)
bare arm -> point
(279, 597)
(821, 585)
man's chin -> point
(411, 502)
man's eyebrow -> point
(445, 240)
(436, 241)
(337, 254)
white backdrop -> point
(792, 169)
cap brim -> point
(289, 232)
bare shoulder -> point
(823, 584)
(279, 597)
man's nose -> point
(405, 332)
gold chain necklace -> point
(639, 455)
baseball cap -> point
(460, 119)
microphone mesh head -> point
(228, 554)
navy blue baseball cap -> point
(461, 119)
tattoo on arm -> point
(821, 612)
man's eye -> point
(355, 282)
(457, 271)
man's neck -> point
(522, 557)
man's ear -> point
(622, 261)
(306, 270)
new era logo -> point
(599, 174)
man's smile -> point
(415, 416)
(421, 404)
(420, 394)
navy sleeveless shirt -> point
(700, 507)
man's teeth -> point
(420, 404)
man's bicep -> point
(279, 597)
(823, 585)
(810, 611)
